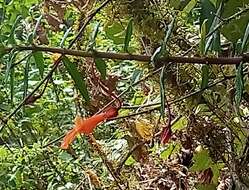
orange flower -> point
(86, 126)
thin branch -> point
(143, 58)
(173, 101)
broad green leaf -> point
(189, 6)
(39, 61)
(171, 149)
(234, 29)
(206, 186)
(202, 161)
(77, 77)
(207, 11)
(101, 66)
(65, 156)
(214, 2)
(130, 161)
(180, 124)
(162, 92)
(115, 33)
(239, 85)
(245, 39)
(128, 35)
(3, 153)
(204, 76)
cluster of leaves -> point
(205, 140)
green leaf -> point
(11, 39)
(33, 34)
(239, 85)
(12, 56)
(65, 37)
(245, 39)
(115, 33)
(171, 149)
(214, 38)
(204, 76)
(12, 84)
(130, 161)
(162, 92)
(202, 161)
(95, 32)
(156, 55)
(207, 12)
(39, 61)
(128, 35)
(2, 50)
(77, 77)
(180, 124)
(189, 6)
(167, 37)
(26, 78)
(136, 75)
(101, 66)
(234, 29)
(203, 36)
(93, 37)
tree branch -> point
(143, 58)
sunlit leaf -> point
(201, 160)
(115, 33)
(130, 161)
(169, 150)
(77, 77)
(189, 6)
(180, 124)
